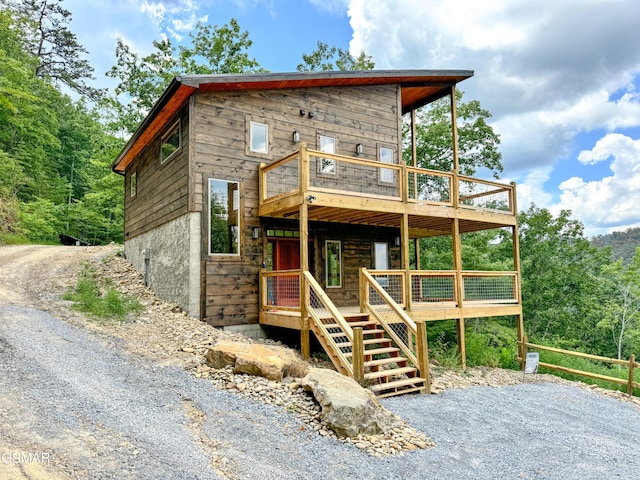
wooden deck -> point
(291, 319)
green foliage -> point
(477, 142)
(40, 221)
(100, 298)
(560, 278)
(623, 244)
(213, 50)
(334, 58)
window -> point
(381, 261)
(259, 137)
(133, 184)
(333, 265)
(170, 143)
(386, 156)
(327, 166)
(224, 217)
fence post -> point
(523, 352)
(422, 350)
(364, 290)
(632, 364)
(358, 355)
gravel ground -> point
(95, 404)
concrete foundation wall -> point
(173, 268)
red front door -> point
(286, 256)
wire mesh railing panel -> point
(393, 284)
(429, 187)
(490, 288)
(399, 328)
(332, 329)
(333, 173)
(283, 178)
(485, 196)
(433, 288)
(283, 290)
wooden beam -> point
(305, 345)
(406, 261)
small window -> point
(133, 184)
(224, 217)
(170, 143)
(333, 264)
(327, 166)
(386, 156)
(381, 261)
(259, 137)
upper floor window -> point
(327, 165)
(259, 137)
(133, 185)
(224, 217)
(386, 156)
(170, 142)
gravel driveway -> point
(99, 412)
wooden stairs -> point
(387, 372)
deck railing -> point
(318, 171)
(409, 337)
(280, 290)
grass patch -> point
(99, 298)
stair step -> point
(396, 384)
(377, 351)
(365, 333)
(390, 373)
(404, 391)
(368, 341)
(385, 361)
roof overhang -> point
(418, 87)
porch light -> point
(255, 233)
(359, 149)
(296, 136)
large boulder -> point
(269, 361)
(347, 408)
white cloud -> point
(611, 202)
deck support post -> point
(305, 341)
(358, 355)
(423, 355)
(406, 261)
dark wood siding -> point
(162, 193)
(366, 115)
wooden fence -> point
(631, 364)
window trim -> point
(133, 184)
(326, 263)
(238, 209)
(249, 120)
(334, 173)
(177, 125)
(382, 171)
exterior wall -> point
(219, 123)
(173, 267)
(357, 245)
(162, 188)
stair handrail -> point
(337, 316)
(411, 325)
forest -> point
(59, 135)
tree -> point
(560, 278)
(47, 37)
(213, 50)
(334, 58)
(477, 142)
(621, 298)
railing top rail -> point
(337, 316)
(429, 171)
(588, 356)
(361, 161)
(499, 185)
(490, 273)
(275, 273)
(279, 162)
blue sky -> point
(561, 78)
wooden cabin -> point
(282, 199)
